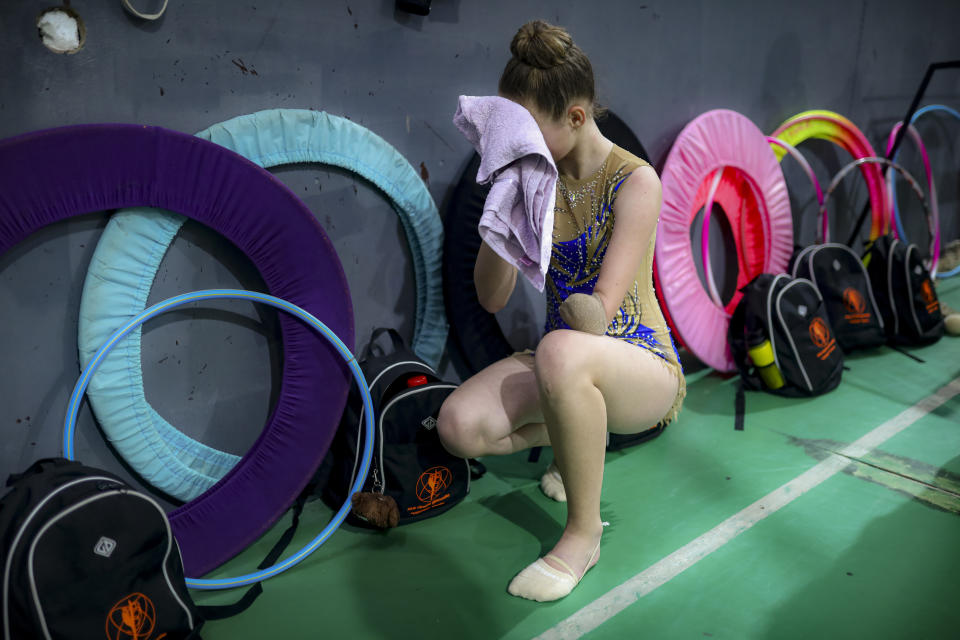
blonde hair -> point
(548, 69)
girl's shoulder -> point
(622, 162)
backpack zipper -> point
(800, 258)
(773, 337)
(80, 505)
(893, 303)
(783, 324)
(356, 449)
(913, 308)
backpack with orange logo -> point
(781, 338)
(410, 466)
(84, 556)
(842, 280)
(905, 292)
(87, 557)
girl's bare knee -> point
(460, 431)
(560, 362)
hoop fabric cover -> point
(134, 242)
(764, 236)
(833, 127)
(49, 176)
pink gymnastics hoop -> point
(715, 139)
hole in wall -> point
(61, 30)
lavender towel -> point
(517, 220)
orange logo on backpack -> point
(929, 297)
(133, 618)
(820, 335)
(430, 485)
(856, 307)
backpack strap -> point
(40, 466)
(219, 612)
(740, 405)
(907, 353)
(395, 339)
(749, 378)
(738, 346)
(477, 468)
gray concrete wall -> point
(659, 64)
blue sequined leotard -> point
(585, 214)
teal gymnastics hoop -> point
(132, 246)
(73, 407)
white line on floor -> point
(619, 598)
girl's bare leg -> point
(589, 385)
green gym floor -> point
(831, 517)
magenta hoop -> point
(933, 222)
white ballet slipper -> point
(552, 484)
(952, 324)
(543, 583)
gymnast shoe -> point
(952, 324)
(552, 484)
(541, 582)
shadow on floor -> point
(897, 580)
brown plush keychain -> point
(376, 509)
(584, 313)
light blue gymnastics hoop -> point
(73, 407)
(134, 242)
(893, 185)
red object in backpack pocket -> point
(416, 381)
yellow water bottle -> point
(762, 356)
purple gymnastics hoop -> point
(47, 176)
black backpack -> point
(85, 555)
(409, 463)
(840, 277)
(780, 333)
(905, 293)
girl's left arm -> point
(637, 208)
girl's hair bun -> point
(541, 45)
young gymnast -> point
(606, 362)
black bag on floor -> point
(781, 339)
(905, 294)
(410, 465)
(842, 280)
(85, 555)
